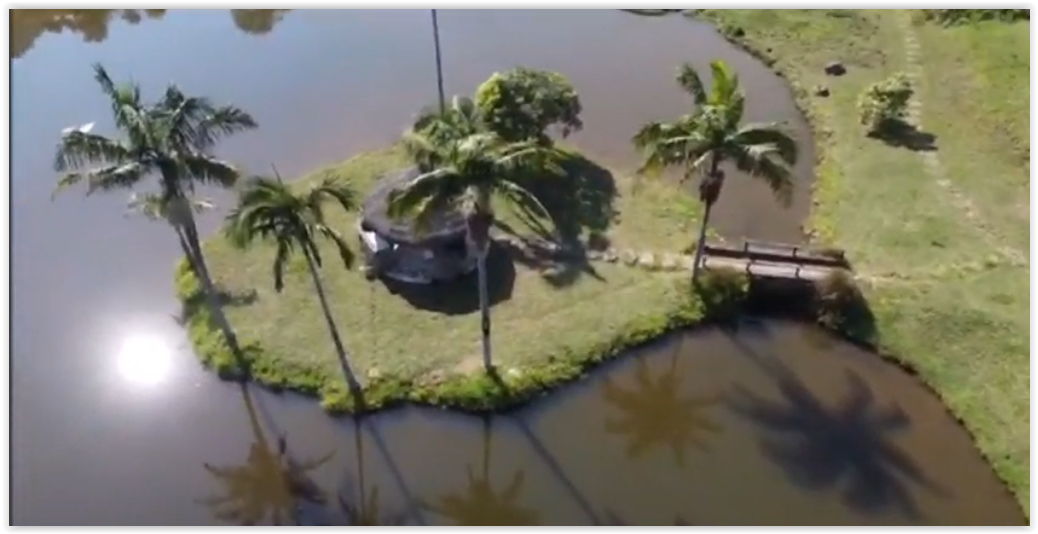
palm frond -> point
(345, 253)
(518, 196)
(335, 189)
(78, 149)
(107, 178)
(222, 122)
(690, 81)
(770, 133)
(759, 162)
(404, 202)
(209, 170)
(725, 84)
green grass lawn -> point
(553, 317)
(942, 245)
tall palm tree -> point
(471, 172)
(270, 210)
(713, 134)
(170, 139)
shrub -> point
(953, 17)
(722, 292)
(885, 102)
(523, 103)
(840, 305)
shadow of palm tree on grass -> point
(582, 207)
(846, 447)
(224, 298)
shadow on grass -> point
(582, 208)
(900, 134)
(847, 447)
(461, 296)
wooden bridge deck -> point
(775, 260)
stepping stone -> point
(647, 260)
(629, 257)
(594, 255)
(610, 256)
(670, 262)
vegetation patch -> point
(935, 224)
(421, 343)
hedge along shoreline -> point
(719, 298)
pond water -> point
(769, 425)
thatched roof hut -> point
(443, 227)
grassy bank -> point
(556, 318)
(939, 235)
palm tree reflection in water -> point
(480, 505)
(269, 485)
(654, 412)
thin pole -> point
(439, 61)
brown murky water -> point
(762, 427)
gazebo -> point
(397, 250)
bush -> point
(841, 306)
(953, 17)
(722, 292)
(885, 102)
(522, 104)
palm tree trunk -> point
(484, 306)
(340, 349)
(701, 244)
(708, 199)
(439, 61)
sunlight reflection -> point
(144, 359)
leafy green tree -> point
(170, 139)
(270, 210)
(521, 104)
(713, 133)
(471, 172)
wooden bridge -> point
(775, 260)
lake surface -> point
(98, 439)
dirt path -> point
(915, 72)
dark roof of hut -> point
(445, 226)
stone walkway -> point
(915, 73)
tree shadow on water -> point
(481, 503)
(900, 134)
(656, 413)
(271, 484)
(461, 296)
(846, 447)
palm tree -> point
(471, 172)
(270, 210)
(439, 128)
(655, 412)
(481, 504)
(268, 484)
(712, 134)
(170, 139)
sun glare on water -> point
(144, 359)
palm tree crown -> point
(269, 209)
(471, 172)
(713, 133)
(171, 137)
